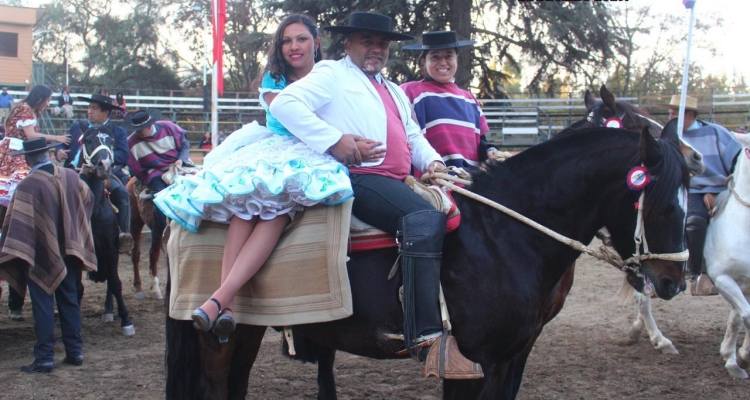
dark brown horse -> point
(503, 280)
(141, 215)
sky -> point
(730, 40)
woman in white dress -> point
(257, 179)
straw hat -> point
(691, 103)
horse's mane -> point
(633, 118)
(583, 152)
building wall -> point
(20, 20)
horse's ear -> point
(649, 148)
(608, 98)
(669, 132)
(589, 100)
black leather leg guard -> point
(421, 237)
(695, 233)
(119, 197)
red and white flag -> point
(219, 17)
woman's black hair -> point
(37, 95)
(277, 65)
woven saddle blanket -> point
(304, 281)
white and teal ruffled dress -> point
(256, 171)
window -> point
(8, 44)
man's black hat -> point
(32, 146)
(105, 102)
(369, 22)
(140, 119)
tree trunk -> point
(459, 20)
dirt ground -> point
(580, 354)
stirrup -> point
(126, 243)
(703, 286)
(146, 195)
(444, 360)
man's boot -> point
(421, 237)
(123, 220)
(695, 233)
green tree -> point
(119, 49)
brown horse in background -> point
(142, 214)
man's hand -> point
(346, 151)
(433, 167)
(62, 155)
(370, 149)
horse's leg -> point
(246, 347)
(326, 379)
(728, 349)
(454, 389)
(660, 342)
(154, 254)
(136, 229)
(739, 316)
(108, 315)
(743, 354)
(114, 285)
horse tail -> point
(625, 295)
(182, 355)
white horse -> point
(728, 260)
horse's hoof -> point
(128, 330)
(139, 296)
(107, 317)
(668, 349)
(157, 295)
(736, 372)
(743, 359)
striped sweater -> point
(451, 120)
(152, 156)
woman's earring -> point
(315, 53)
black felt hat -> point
(369, 22)
(32, 146)
(105, 102)
(140, 119)
(439, 40)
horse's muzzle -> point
(667, 277)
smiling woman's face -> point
(298, 46)
(441, 64)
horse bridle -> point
(631, 265)
(102, 146)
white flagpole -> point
(681, 115)
(215, 86)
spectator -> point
(205, 143)
(6, 102)
(22, 125)
(221, 138)
(48, 260)
(120, 102)
(65, 102)
(742, 129)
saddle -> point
(365, 237)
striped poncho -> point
(48, 219)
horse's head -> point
(612, 114)
(654, 225)
(609, 113)
(693, 157)
(97, 151)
